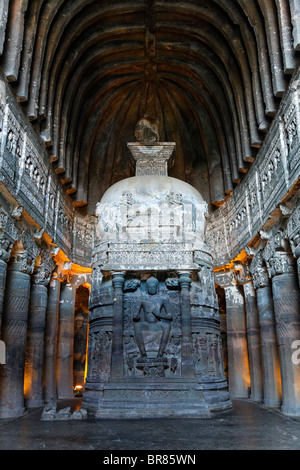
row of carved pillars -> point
(263, 328)
(37, 329)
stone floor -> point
(248, 426)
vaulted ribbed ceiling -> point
(211, 71)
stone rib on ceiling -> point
(211, 71)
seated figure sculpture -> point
(152, 316)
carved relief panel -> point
(151, 330)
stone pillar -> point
(3, 268)
(253, 335)
(187, 362)
(296, 252)
(33, 378)
(270, 356)
(286, 300)
(117, 335)
(51, 332)
(254, 343)
(4, 256)
(14, 332)
(238, 361)
(9, 234)
(66, 342)
(223, 327)
(293, 230)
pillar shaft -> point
(3, 268)
(286, 307)
(65, 343)
(33, 385)
(117, 336)
(238, 361)
(14, 331)
(270, 357)
(254, 342)
(51, 332)
(187, 362)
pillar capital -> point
(280, 262)
(118, 279)
(225, 278)
(278, 255)
(24, 254)
(242, 273)
(260, 277)
(5, 247)
(258, 269)
(9, 233)
(21, 261)
(43, 271)
(184, 279)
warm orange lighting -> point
(242, 257)
(78, 390)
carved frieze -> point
(25, 172)
(293, 231)
(276, 168)
(147, 256)
(291, 127)
(14, 138)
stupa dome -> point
(152, 206)
(151, 221)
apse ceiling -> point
(211, 71)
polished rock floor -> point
(248, 426)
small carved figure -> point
(147, 130)
(152, 316)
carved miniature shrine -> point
(155, 348)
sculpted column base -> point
(154, 400)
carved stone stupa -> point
(155, 347)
